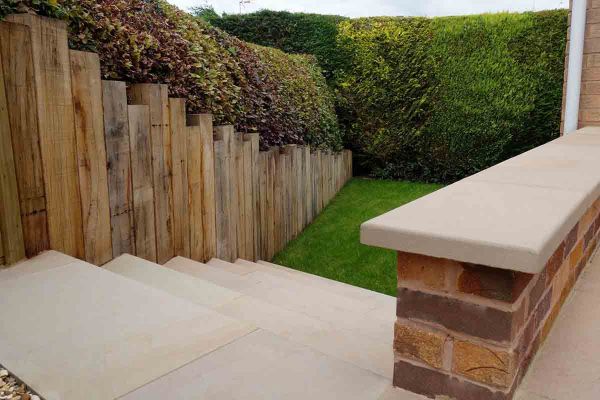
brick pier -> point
(485, 265)
(470, 331)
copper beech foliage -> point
(283, 97)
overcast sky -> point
(361, 8)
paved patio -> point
(567, 367)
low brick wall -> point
(485, 264)
(469, 331)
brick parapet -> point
(465, 337)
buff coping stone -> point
(511, 216)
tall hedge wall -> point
(297, 33)
(253, 87)
(440, 99)
(434, 99)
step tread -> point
(342, 340)
(211, 273)
(265, 282)
(122, 334)
(349, 345)
(232, 267)
(261, 366)
(45, 261)
(378, 300)
(198, 291)
(319, 303)
(342, 311)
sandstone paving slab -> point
(361, 340)
(196, 290)
(567, 367)
(278, 320)
(215, 275)
(379, 301)
(585, 136)
(523, 395)
(233, 268)
(314, 302)
(81, 332)
(348, 345)
(590, 130)
(264, 366)
(47, 260)
(393, 393)
(306, 296)
(337, 310)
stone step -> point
(43, 262)
(312, 301)
(348, 345)
(214, 274)
(265, 366)
(380, 302)
(82, 332)
(358, 339)
(315, 302)
(198, 291)
(238, 269)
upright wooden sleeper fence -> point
(91, 174)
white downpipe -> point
(575, 65)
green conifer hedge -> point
(431, 99)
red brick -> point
(571, 239)
(590, 215)
(592, 31)
(425, 271)
(590, 101)
(576, 255)
(418, 344)
(484, 364)
(593, 16)
(582, 263)
(589, 236)
(591, 46)
(549, 322)
(458, 315)
(591, 60)
(531, 331)
(537, 290)
(591, 74)
(589, 117)
(492, 283)
(561, 281)
(555, 261)
(437, 384)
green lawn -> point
(330, 246)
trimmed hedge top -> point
(283, 97)
(297, 33)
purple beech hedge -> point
(283, 97)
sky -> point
(362, 8)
